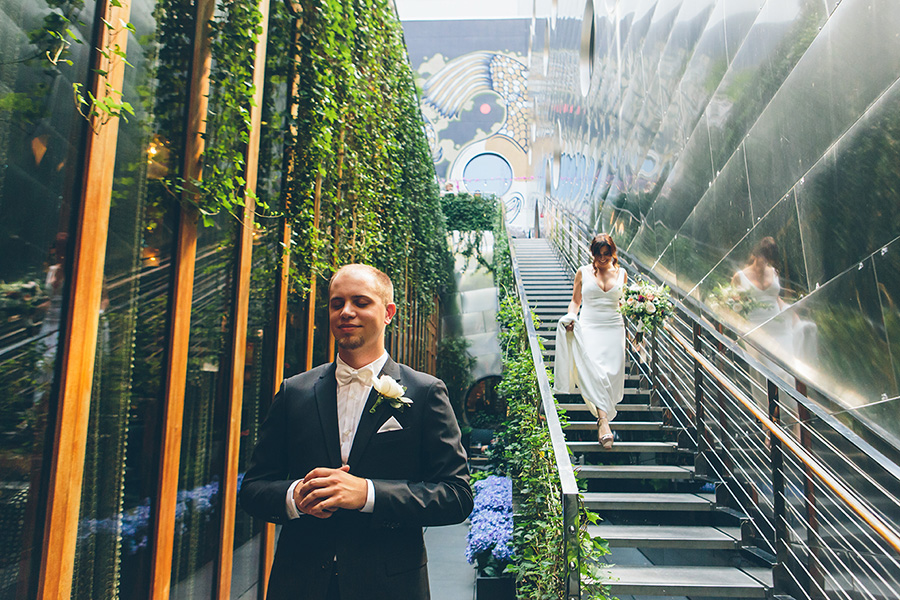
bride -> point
(590, 347)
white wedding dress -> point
(768, 316)
(591, 358)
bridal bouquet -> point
(646, 304)
(733, 298)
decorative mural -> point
(475, 103)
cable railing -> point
(817, 501)
(570, 494)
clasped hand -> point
(325, 490)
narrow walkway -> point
(449, 575)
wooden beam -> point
(281, 296)
(282, 285)
(163, 526)
(78, 342)
(313, 277)
(241, 305)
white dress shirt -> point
(351, 400)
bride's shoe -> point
(606, 440)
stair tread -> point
(624, 447)
(688, 581)
(616, 425)
(634, 471)
(665, 532)
(642, 501)
(622, 407)
(668, 536)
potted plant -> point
(489, 544)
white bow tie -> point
(345, 374)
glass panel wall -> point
(43, 52)
(204, 429)
(259, 370)
(121, 465)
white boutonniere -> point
(390, 391)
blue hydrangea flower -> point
(490, 535)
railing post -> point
(699, 413)
(778, 496)
(816, 573)
(654, 371)
(571, 546)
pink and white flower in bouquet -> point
(645, 304)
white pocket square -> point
(391, 424)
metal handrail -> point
(888, 533)
(568, 483)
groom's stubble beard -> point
(350, 342)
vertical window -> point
(44, 49)
(113, 550)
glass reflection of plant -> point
(21, 381)
(53, 41)
(56, 36)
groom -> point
(353, 466)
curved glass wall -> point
(711, 129)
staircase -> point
(667, 536)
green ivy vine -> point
(53, 41)
(357, 108)
(234, 33)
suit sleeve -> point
(265, 485)
(443, 497)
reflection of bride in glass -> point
(590, 347)
(788, 336)
(760, 279)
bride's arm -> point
(574, 303)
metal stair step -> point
(634, 471)
(668, 536)
(615, 426)
(649, 501)
(620, 407)
(658, 447)
(554, 293)
(718, 582)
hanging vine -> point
(234, 35)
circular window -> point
(488, 173)
(586, 60)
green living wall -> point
(358, 133)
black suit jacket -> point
(419, 474)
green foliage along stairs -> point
(667, 536)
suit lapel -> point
(369, 422)
(326, 402)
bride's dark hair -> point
(602, 240)
(767, 250)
